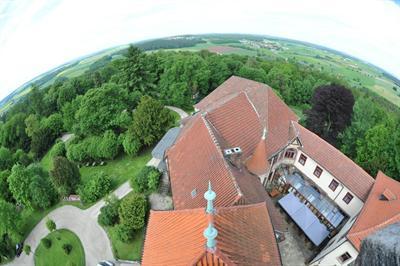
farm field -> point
(355, 72)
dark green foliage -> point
(46, 242)
(22, 158)
(366, 114)
(31, 186)
(5, 192)
(94, 148)
(151, 120)
(100, 109)
(109, 213)
(131, 143)
(169, 43)
(13, 135)
(377, 151)
(109, 146)
(58, 149)
(185, 77)
(331, 111)
(65, 175)
(51, 225)
(132, 211)
(6, 159)
(10, 220)
(153, 179)
(27, 249)
(68, 111)
(98, 186)
(133, 71)
(7, 249)
(253, 73)
(146, 180)
(67, 248)
(124, 233)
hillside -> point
(357, 73)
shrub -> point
(132, 211)
(67, 248)
(153, 179)
(51, 225)
(146, 180)
(65, 175)
(109, 146)
(109, 213)
(98, 186)
(27, 249)
(58, 149)
(46, 242)
(131, 144)
(124, 233)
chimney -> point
(234, 156)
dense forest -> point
(118, 107)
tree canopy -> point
(331, 111)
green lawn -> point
(120, 169)
(55, 255)
(126, 251)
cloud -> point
(36, 36)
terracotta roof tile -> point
(335, 162)
(237, 123)
(245, 237)
(377, 211)
(193, 161)
(258, 163)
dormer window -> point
(302, 159)
(290, 153)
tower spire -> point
(210, 195)
(210, 233)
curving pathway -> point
(180, 112)
(83, 223)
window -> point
(317, 171)
(348, 198)
(344, 257)
(333, 185)
(290, 153)
(302, 159)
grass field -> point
(55, 255)
(126, 251)
(120, 169)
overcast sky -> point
(38, 35)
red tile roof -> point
(193, 161)
(258, 163)
(237, 123)
(245, 237)
(335, 162)
(377, 212)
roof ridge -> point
(207, 124)
(194, 210)
(376, 227)
(251, 103)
